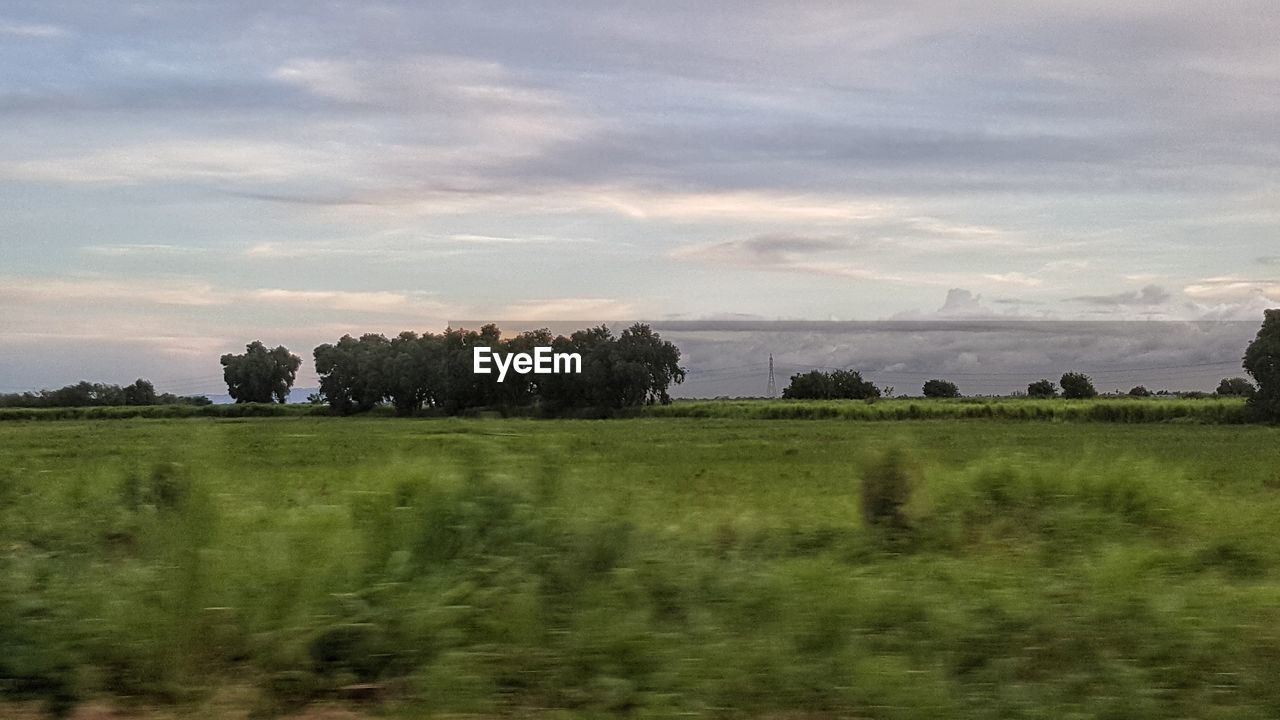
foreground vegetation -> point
(1228, 410)
(643, 567)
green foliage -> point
(1140, 391)
(940, 389)
(1235, 387)
(86, 394)
(834, 385)
(416, 372)
(1262, 361)
(1077, 386)
(260, 375)
(1042, 389)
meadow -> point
(647, 567)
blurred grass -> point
(649, 567)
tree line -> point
(413, 372)
(1261, 361)
(87, 394)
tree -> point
(352, 372)
(1139, 391)
(260, 374)
(849, 385)
(835, 385)
(141, 392)
(1042, 389)
(1262, 361)
(1077, 386)
(940, 389)
(1235, 387)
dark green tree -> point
(1262, 361)
(1077, 386)
(835, 385)
(1235, 387)
(1139, 391)
(940, 389)
(260, 374)
(353, 372)
(141, 392)
(1042, 389)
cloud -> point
(142, 249)
(785, 253)
(1234, 290)
(1269, 260)
(32, 30)
(570, 308)
(961, 302)
(1148, 296)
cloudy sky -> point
(178, 178)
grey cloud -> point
(1148, 296)
(1269, 260)
(989, 356)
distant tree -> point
(260, 374)
(1236, 386)
(1077, 386)
(1262, 361)
(940, 389)
(1140, 391)
(849, 385)
(141, 392)
(645, 367)
(835, 385)
(1042, 389)
(353, 372)
(813, 385)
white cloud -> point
(32, 30)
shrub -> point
(1235, 387)
(1042, 389)
(1077, 386)
(940, 389)
(1140, 391)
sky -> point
(180, 178)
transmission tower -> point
(773, 385)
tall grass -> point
(585, 570)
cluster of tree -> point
(87, 394)
(412, 371)
(834, 385)
(260, 375)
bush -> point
(1077, 386)
(1235, 387)
(835, 385)
(940, 389)
(1139, 391)
(1042, 389)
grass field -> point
(648, 567)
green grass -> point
(646, 567)
(1123, 410)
